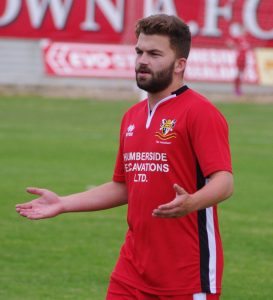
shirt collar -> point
(181, 90)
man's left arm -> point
(218, 188)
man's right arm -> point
(49, 204)
(105, 196)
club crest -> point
(166, 130)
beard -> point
(157, 81)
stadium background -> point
(28, 29)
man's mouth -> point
(143, 71)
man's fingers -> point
(24, 212)
(173, 208)
(170, 213)
(177, 201)
(29, 205)
(23, 206)
(32, 214)
(173, 204)
(178, 189)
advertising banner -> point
(211, 22)
(117, 61)
(265, 65)
(88, 60)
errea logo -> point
(130, 130)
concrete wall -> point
(21, 71)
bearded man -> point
(173, 167)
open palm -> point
(46, 206)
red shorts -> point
(120, 291)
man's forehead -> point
(153, 41)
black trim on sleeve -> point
(203, 237)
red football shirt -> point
(182, 140)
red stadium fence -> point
(68, 24)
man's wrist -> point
(194, 203)
(62, 206)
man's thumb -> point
(178, 189)
(35, 191)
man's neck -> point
(154, 98)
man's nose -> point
(143, 59)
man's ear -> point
(180, 65)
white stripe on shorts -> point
(200, 296)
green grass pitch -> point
(70, 145)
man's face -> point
(155, 63)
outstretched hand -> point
(179, 207)
(46, 206)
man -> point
(240, 44)
(173, 167)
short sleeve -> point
(209, 136)
(119, 174)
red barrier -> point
(212, 22)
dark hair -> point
(171, 26)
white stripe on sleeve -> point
(212, 249)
